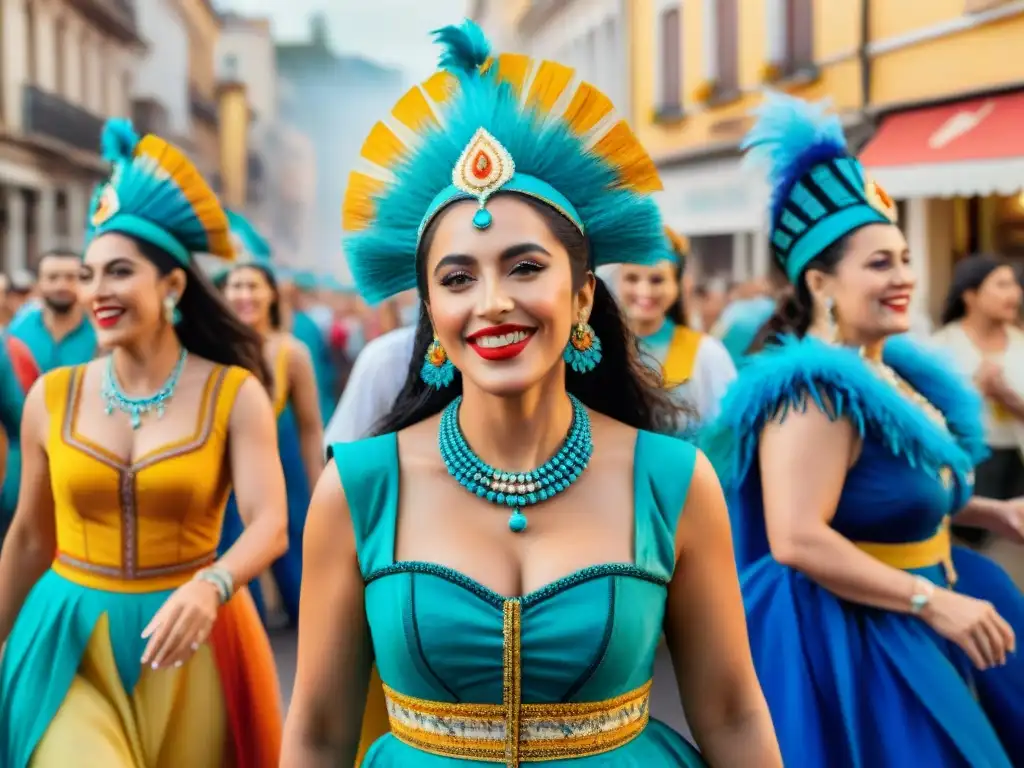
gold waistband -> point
(908, 556)
(546, 731)
(135, 580)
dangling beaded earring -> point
(583, 352)
(437, 371)
(171, 312)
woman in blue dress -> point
(844, 450)
(251, 289)
(505, 632)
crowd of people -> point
(521, 454)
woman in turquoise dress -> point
(844, 450)
(251, 290)
(693, 365)
(505, 632)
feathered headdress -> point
(819, 191)
(678, 247)
(484, 125)
(155, 193)
(249, 244)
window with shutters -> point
(799, 35)
(727, 48)
(670, 36)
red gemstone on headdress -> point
(481, 165)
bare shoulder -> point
(417, 446)
(614, 442)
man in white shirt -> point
(373, 386)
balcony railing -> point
(49, 116)
(114, 16)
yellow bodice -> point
(148, 525)
(280, 373)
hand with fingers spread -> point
(182, 624)
(973, 624)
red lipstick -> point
(500, 342)
(107, 317)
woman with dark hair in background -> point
(251, 290)
(503, 631)
(979, 332)
(131, 646)
(693, 365)
(844, 449)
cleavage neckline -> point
(488, 595)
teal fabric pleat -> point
(46, 647)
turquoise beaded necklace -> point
(135, 407)
(515, 490)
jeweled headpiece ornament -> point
(485, 125)
(820, 192)
(155, 193)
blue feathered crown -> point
(248, 243)
(820, 193)
(483, 125)
(155, 193)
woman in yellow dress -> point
(126, 643)
(251, 290)
(694, 365)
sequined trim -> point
(546, 731)
(512, 683)
(566, 582)
(127, 473)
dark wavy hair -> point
(620, 387)
(208, 328)
(968, 275)
(677, 311)
(794, 312)
(268, 274)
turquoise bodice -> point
(590, 637)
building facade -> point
(334, 100)
(160, 98)
(204, 27)
(946, 83)
(65, 67)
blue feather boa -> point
(838, 382)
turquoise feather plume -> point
(466, 47)
(807, 372)
(119, 140)
(257, 245)
(792, 136)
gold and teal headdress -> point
(677, 247)
(155, 193)
(250, 246)
(484, 125)
(820, 192)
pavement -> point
(665, 704)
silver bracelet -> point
(923, 591)
(220, 578)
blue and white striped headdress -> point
(487, 124)
(820, 193)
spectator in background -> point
(58, 333)
(712, 298)
(979, 333)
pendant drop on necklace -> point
(517, 521)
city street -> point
(665, 704)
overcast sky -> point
(394, 32)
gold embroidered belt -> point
(546, 731)
(912, 555)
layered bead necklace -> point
(515, 490)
